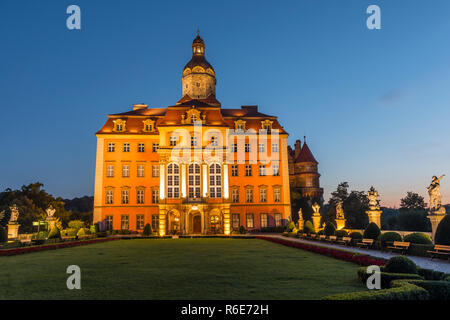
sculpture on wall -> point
(373, 195)
(14, 214)
(316, 208)
(339, 211)
(50, 212)
(434, 190)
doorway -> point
(197, 224)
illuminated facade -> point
(194, 167)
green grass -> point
(178, 269)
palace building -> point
(194, 167)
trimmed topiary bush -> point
(356, 235)
(372, 231)
(400, 264)
(341, 233)
(76, 224)
(290, 226)
(443, 232)
(54, 234)
(389, 237)
(308, 227)
(147, 230)
(329, 229)
(418, 238)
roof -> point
(210, 100)
(198, 60)
(305, 155)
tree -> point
(412, 213)
(355, 207)
(412, 201)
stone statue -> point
(300, 219)
(372, 195)
(316, 208)
(434, 190)
(50, 212)
(339, 211)
(14, 214)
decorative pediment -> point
(239, 125)
(192, 116)
(266, 125)
(149, 125)
(119, 125)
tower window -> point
(198, 84)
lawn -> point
(178, 269)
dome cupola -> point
(199, 79)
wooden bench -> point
(304, 235)
(399, 246)
(332, 239)
(345, 241)
(365, 243)
(440, 250)
(322, 237)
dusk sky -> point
(374, 104)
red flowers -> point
(361, 259)
(12, 252)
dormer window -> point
(239, 125)
(119, 125)
(266, 125)
(192, 116)
(149, 125)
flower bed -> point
(361, 259)
(16, 251)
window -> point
(126, 147)
(109, 197)
(277, 195)
(194, 180)
(249, 195)
(125, 196)
(148, 127)
(234, 170)
(141, 147)
(155, 196)
(262, 195)
(124, 222)
(173, 181)
(233, 147)
(277, 219)
(214, 141)
(110, 171)
(140, 196)
(119, 127)
(155, 147)
(155, 171)
(235, 195)
(140, 170)
(248, 170)
(236, 221)
(262, 170)
(249, 220)
(276, 169)
(193, 141)
(155, 222)
(109, 222)
(263, 220)
(215, 181)
(274, 147)
(111, 147)
(261, 147)
(139, 221)
(247, 147)
(125, 171)
(173, 141)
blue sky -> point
(374, 105)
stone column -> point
(162, 222)
(226, 221)
(162, 185)
(316, 221)
(205, 181)
(340, 224)
(13, 231)
(375, 217)
(435, 218)
(183, 180)
(225, 182)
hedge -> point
(438, 290)
(420, 250)
(372, 231)
(389, 237)
(400, 290)
(443, 232)
(418, 238)
(386, 277)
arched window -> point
(173, 181)
(215, 181)
(194, 180)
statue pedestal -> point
(435, 218)
(340, 224)
(375, 216)
(51, 223)
(13, 231)
(316, 221)
(300, 224)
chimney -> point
(298, 147)
(139, 106)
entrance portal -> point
(197, 224)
